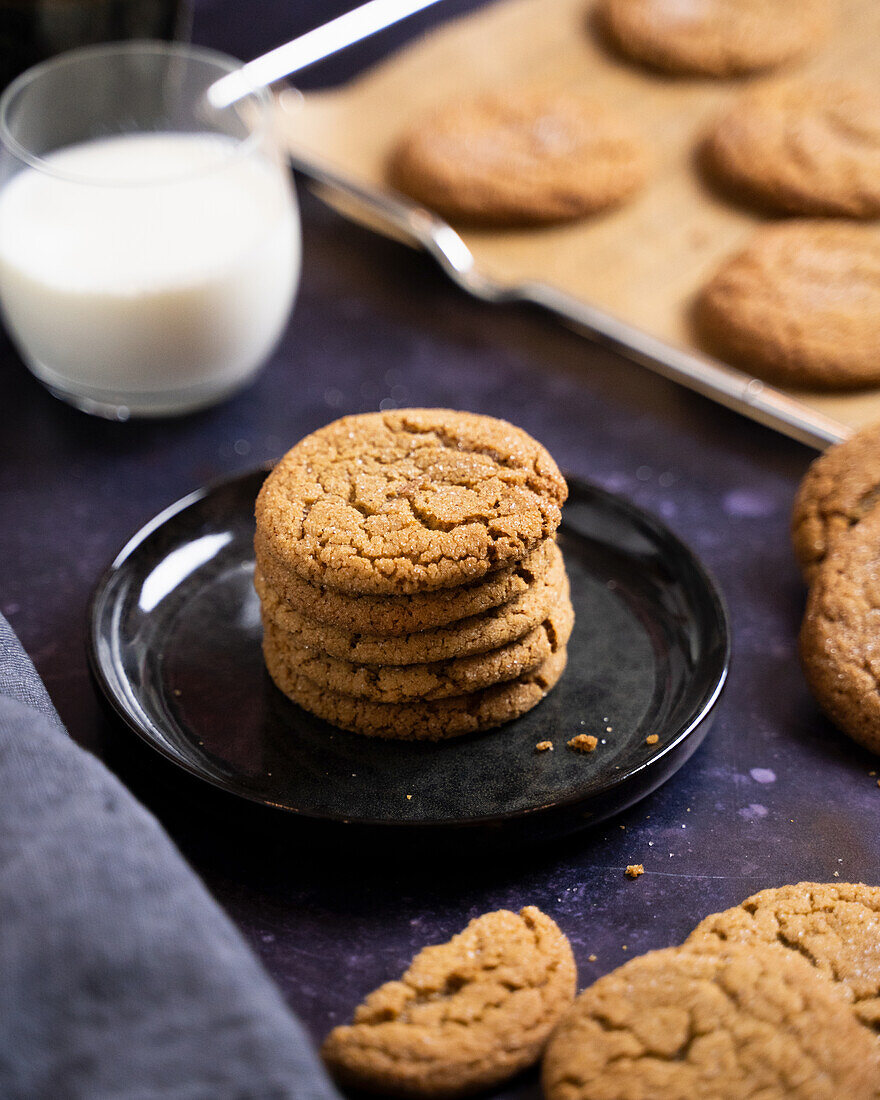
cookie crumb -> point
(652, 739)
(409, 798)
(583, 742)
(591, 958)
(634, 870)
(544, 746)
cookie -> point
(413, 500)
(424, 721)
(836, 926)
(478, 634)
(466, 1015)
(840, 488)
(726, 1024)
(800, 305)
(395, 616)
(838, 641)
(713, 37)
(437, 679)
(802, 149)
(521, 157)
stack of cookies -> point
(410, 582)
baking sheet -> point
(642, 263)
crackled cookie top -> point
(477, 634)
(800, 305)
(409, 501)
(735, 1023)
(436, 679)
(714, 37)
(840, 488)
(840, 634)
(836, 926)
(467, 1014)
(805, 148)
(521, 156)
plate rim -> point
(698, 717)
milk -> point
(152, 271)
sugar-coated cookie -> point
(694, 1023)
(835, 925)
(465, 1016)
(413, 500)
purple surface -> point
(773, 796)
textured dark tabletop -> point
(774, 795)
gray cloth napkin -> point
(119, 975)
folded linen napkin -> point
(120, 977)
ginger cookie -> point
(714, 37)
(521, 157)
(705, 1024)
(839, 634)
(836, 926)
(465, 1016)
(838, 490)
(803, 149)
(479, 634)
(396, 616)
(437, 679)
(800, 305)
(423, 721)
(413, 500)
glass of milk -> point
(149, 243)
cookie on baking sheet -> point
(803, 148)
(521, 157)
(838, 490)
(836, 926)
(424, 721)
(411, 500)
(466, 1015)
(479, 634)
(395, 616)
(695, 1023)
(438, 679)
(714, 37)
(840, 634)
(799, 305)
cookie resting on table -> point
(714, 37)
(836, 926)
(465, 1016)
(802, 148)
(840, 634)
(838, 490)
(394, 503)
(519, 157)
(799, 305)
(699, 1023)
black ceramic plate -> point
(175, 646)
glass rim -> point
(146, 46)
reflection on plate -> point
(175, 647)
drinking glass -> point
(149, 243)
